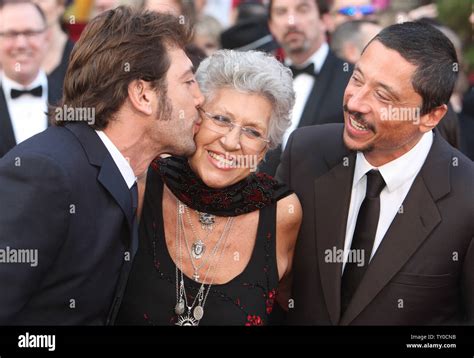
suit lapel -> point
(322, 81)
(7, 137)
(410, 227)
(109, 175)
(407, 232)
(332, 199)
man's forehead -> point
(20, 15)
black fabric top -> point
(150, 297)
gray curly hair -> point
(255, 73)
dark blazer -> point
(7, 136)
(423, 271)
(62, 194)
(324, 104)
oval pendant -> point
(179, 308)
(197, 249)
(198, 313)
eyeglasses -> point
(252, 138)
(28, 34)
(353, 10)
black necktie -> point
(308, 70)
(36, 92)
(364, 236)
(134, 242)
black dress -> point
(150, 296)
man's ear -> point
(431, 119)
(141, 96)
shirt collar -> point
(398, 171)
(317, 58)
(122, 164)
(8, 84)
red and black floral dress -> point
(248, 299)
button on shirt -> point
(27, 112)
(399, 175)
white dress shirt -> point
(399, 175)
(122, 164)
(27, 112)
(302, 85)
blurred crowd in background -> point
(243, 25)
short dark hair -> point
(117, 47)
(322, 5)
(17, 2)
(431, 52)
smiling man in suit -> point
(319, 76)
(69, 195)
(24, 87)
(387, 234)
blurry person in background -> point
(184, 9)
(103, 5)
(342, 11)
(24, 90)
(249, 34)
(60, 47)
(245, 9)
(174, 7)
(350, 38)
(207, 32)
(319, 75)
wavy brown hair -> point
(116, 48)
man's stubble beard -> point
(179, 145)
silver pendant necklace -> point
(207, 221)
(190, 315)
(198, 247)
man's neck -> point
(23, 81)
(133, 143)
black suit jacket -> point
(324, 104)
(62, 194)
(7, 136)
(423, 271)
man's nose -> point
(198, 97)
(357, 100)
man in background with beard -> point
(319, 76)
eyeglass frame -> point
(352, 10)
(231, 125)
(11, 35)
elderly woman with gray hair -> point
(217, 238)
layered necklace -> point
(190, 314)
(207, 224)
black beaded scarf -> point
(252, 193)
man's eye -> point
(190, 82)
